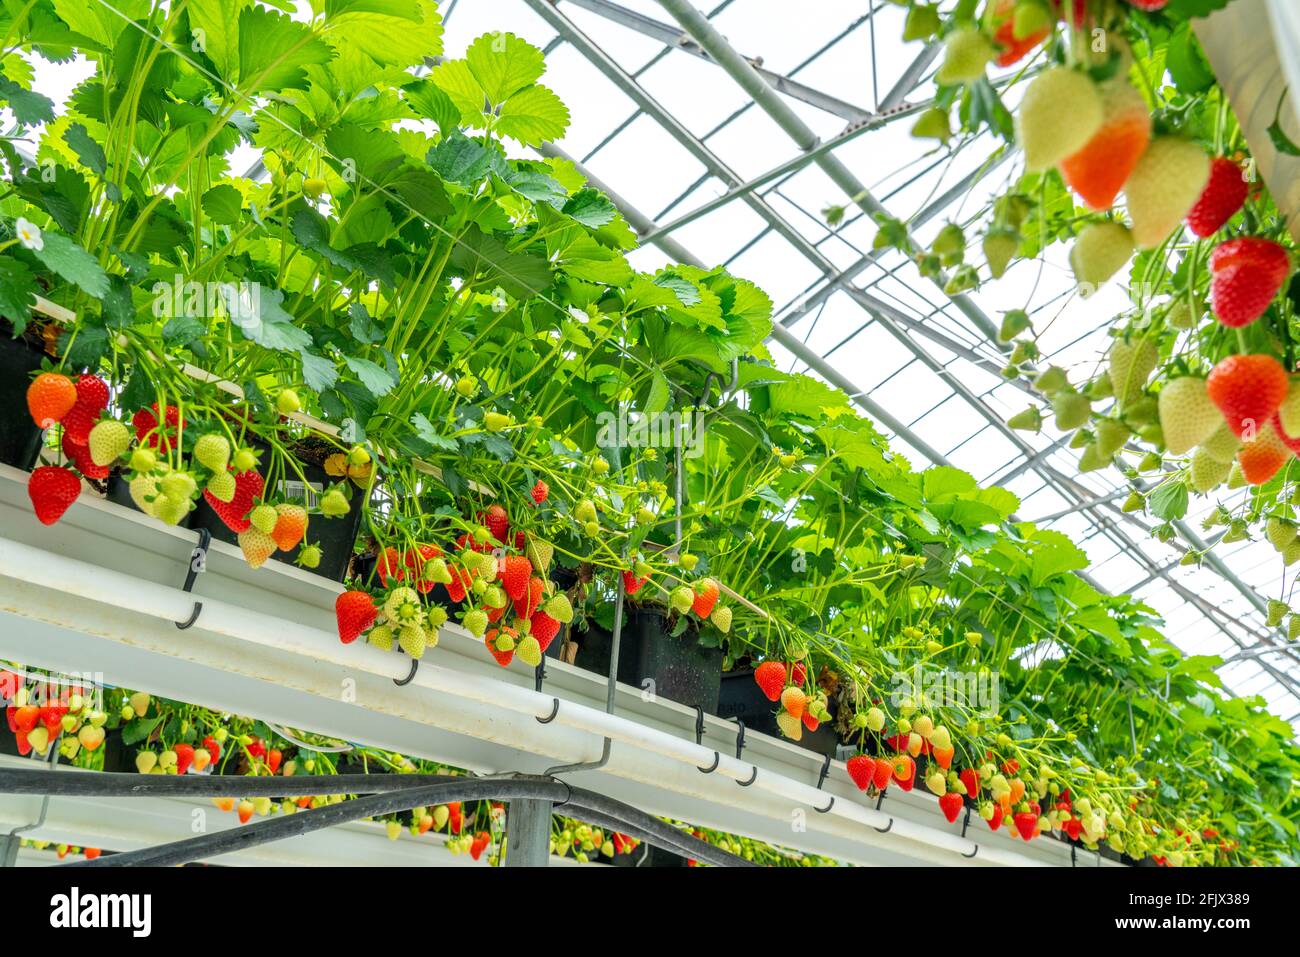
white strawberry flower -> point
(29, 234)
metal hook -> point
(752, 778)
(539, 675)
(965, 822)
(717, 759)
(972, 853)
(699, 724)
(824, 810)
(826, 769)
(555, 710)
(887, 828)
(740, 738)
(198, 562)
(415, 666)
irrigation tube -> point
(107, 586)
(606, 811)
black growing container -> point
(20, 437)
(741, 697)
(647, 855)
(335, 536)
(680, 667)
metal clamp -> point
(415, 666)
(880, 799)
(821, 779)
(699, 739)
(555, 710)
(198, 562)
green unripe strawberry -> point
(949, 244)
(1071, 409)
(495, 597)
(381, 636)
(999, 247)
(496, 421)
(287, 402)
(1030, 420)
(178, 486)
(688, 561)
(1130, 365)
(529, 651)
(1111, 436)
(108, 441)
(402, 606)
(1277, 610)
(434, 619)
(922, 22)
(1188, 417)
(413, 640)
(475, 622)
(263, 518)
(721, 618)
(213, 452)
(466, 386)
(504, 641)
(358, 456)
(334, 504)
(875, 719)
(932, 124)
(244, 459)
(1134, 503)
(1293, 628)
(586, 511)
(143, 460)
(309, 556)
(966, 53)
(681, 599)
(1051, 380)
(559, 608)
(1100, 251)
(1013, 323)
(313, 186)
(599, 465)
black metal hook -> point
(699, 724)
(717, 759)
(824, 810)
(972, 853)
(198, 562)
(1074, 854)
(887, 828)
(415, 666)
(826, 769)
(752, 778)
(740, 738)
(965, 822)
(880, 799)
(555, 710)
(539, 675)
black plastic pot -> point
(335, 536)
(20, 437)
(680, 668)
(741, 697)
(648, 856)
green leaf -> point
(218, 21)
(659, 395)
(429, 100)
(519, 274)
(1186, 62)
(73, 263)
(29, 108)
(262, 319)
(459, 159)
(533, 116)
(393, 34)
(84, 345)
(101, 22)
(182, 330)
(133, 732)
(427, 433)
(1169, 501)
(88, 151)
(318, 372)
(362, 327)
(274, 51)
(18, 291)
(591, 208)
(503, 64)
(378, 380)
(222, 204)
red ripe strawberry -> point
(184, 757)
(355, 611)
(481, 841)
(951, 805)
(146, 421)
(273, 759)
(78, 423)
(494, 614)
(92, 393)
(1072, 827)
(809, 722)
(497, 522)
(540, 492)
(416, 558)
(897, 741)
(528, 602)
(1247, 389)
(388, 565)
(1263, 457)
(515, 572)
(770, 676)
(1247, 273)
(862, 769)
(256, 748)
(882, 774)
(50, 397)
(1149, 5)
(971, 779)
(10, 712)
(797, 672)
(234, 514)
(455, 818)
(1223, 195)
(52, 717)
(91, 853)
(456, 587)
(24, 746)
(706, 596)
(995, 821)
(1026, 824)
(632, 584)
(52, 489)
(1078, 10)
(1097, 171)
(212, 747)
(1010, 766)
(544, 628)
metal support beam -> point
(528, 833)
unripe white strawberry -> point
(1188, 417)
(1059, 113)
(529, 651)
(381, 636)
(1165, 184)
(1222, 445)
(966, 53)
(721, 618)
(256, 545)
(1072, 410)
(476, 622)
(108, 441)
(1131, 364)
(212, 451)
(1206, 472)
(413, 640)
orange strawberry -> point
(706, 596)
(943, 756)
(1098, 171)
(290, 526)
(1013, 48)
(50, 397)
(1262, 458)
(794, 701)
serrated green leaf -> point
(222, 204)
(378, 380)
(533, 116)
(18, 291)
(275, 50)
(73, 263)
(503, 64)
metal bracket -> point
(415, 666)
(965, 822)
(198, 562)
(699, 739)
(539, 675)
(821, 779)
(740, 738)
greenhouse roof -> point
(708, 174)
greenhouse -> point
(649, 433)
